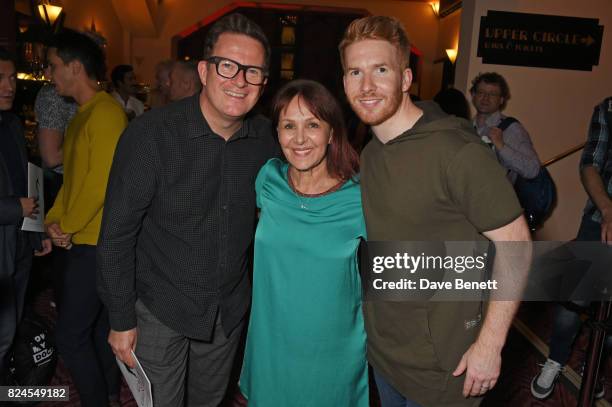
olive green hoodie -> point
(435, 182)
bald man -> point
(184, 80)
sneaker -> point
(600, 388)
(544, 383)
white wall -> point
(555, 105)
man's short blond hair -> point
(378, 28)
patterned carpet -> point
(520, 361)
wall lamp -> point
(435, 6)
(48, 12)
(452, 54)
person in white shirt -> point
(124, 82)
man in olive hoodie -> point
(425, 177)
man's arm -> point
(594, 186)
(50, 145)
(131, 188)
(53, 114)
(482, 361)
(11, 210)
(14, 209)
(515, 150)
(594, 158)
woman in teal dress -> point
(306, 343)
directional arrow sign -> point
(540, 40)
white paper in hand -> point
(35, 189)
(138, 382)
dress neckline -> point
(299, 193)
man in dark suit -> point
(15, 246)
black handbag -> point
(33, 354)
(536, 195)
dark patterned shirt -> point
(598, 152)
(53, 112)
(179, 218)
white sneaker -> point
(544, 383)
(600, 387)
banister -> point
(563, 155)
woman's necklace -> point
(299, 195)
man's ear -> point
(406, 80)
(263, 87)
(75, 67)
(203, 71)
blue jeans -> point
(389, 397)
(567, 323)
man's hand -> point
(66, 242)
(606, 226)
(483, 364)
(54, 231)
(29, 207)
(60, 239)
(497, 137)
(122, 343)
(46, 248)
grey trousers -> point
(184, 371)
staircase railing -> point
(563, 154)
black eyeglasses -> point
(255, 75)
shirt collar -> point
(120, 99)
(491, 121)
(494, 119)
(199, 127)
(117, 96)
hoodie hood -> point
(434, 121)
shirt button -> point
(224, 207)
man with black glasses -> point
(179, 220)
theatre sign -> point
(539, 40)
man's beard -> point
(390, 107)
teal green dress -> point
(306, 343)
